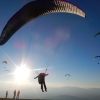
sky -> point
(61, 42)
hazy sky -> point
(62, 42)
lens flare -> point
(21, 73)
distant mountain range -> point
(61, 93)
(68, 97)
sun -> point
(21, 73)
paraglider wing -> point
(67, 74)
(4, 62)
(96, 57)
(33, 10)
(97, 34)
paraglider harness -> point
(41, 77)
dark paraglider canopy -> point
(4, 62)
(96, 57)
(33, 10)
(67, 74)
(96, 34)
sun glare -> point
(21, 73)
